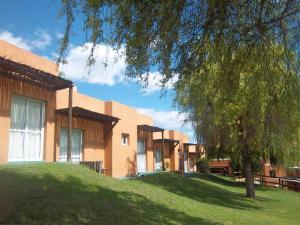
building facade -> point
(42, 115)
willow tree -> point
(215, 42)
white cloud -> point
(109, 67)
(40, 40)
(171, 120)
(154, 83)
(18, 41)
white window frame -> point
(26, 129)
(124, 136)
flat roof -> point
(84, 113)
(149, 128)
(166, 140)
(22, 72)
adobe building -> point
(44, 118)
(28, 85)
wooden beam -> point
(177, 143)
(69, 150)
(110, 130)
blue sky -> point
(35, 26)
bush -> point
(203, 165)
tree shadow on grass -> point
(217, 179)
(47, 200)
(202, 191)
(230, 183)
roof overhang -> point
(166, 141)
(87, 114)
(149, 128)
(32, 76)
(190, 144)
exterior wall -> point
(178, 159)
(10, 87)
(21, 56)
(79, 100)
(123, 157)
(173, 156)
(272, 181)
(293, 172)
(93, 145)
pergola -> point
(90, 115)
(42, 79)
(22, 72)
(175, 142)
(192, 144)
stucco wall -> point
(10, 87)
(21, 56)
(123, 157)
(79, 100)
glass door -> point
(76, 153)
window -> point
(76, 145)
(125, 139)
(26, 130)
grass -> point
(64, 194)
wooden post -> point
(69, 150)
(162, 152)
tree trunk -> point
(248, 173)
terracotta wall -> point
(21, 56)
(79, 100)
(10, 87)
(123, 157)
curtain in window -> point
(18, 113)
(25, 142)
(76, 145)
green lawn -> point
(63, 194)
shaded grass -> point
(68, 194)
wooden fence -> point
(94, 165)
(290, 183)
